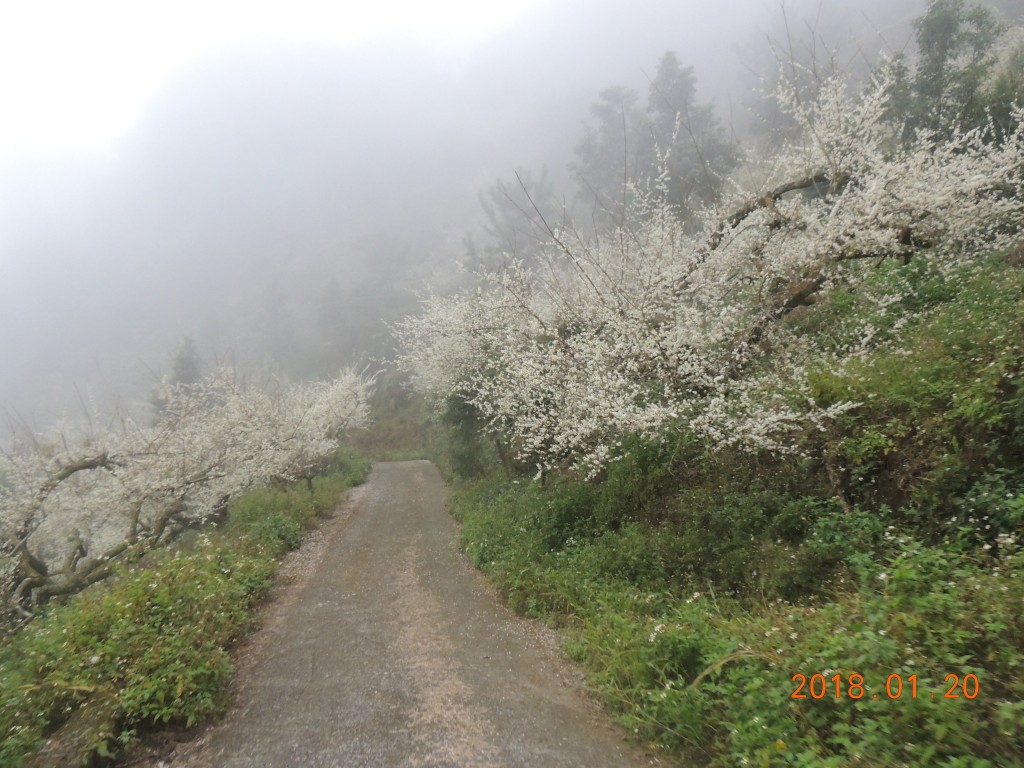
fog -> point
(279, 202)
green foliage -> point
(694, 583)
(624, 140)
(1007, 90)
(642, 483)
(927, 612)
(468, 453)
(991, 510)
(708, 677)
(272, 517)
(954, 41)
(347, 468)
(689, 132)
(966, 73)
(155, 639)
(942, 407)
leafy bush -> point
(273, 518)
(943, 407)
(710, 678)
(695, 583)
(991, 513)
(347, 468)
(154, 641)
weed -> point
(156, 638)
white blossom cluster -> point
(654, 326)
(74, 501)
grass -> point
(152, 645)
(702, 589)
(705, 671)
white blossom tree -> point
(653, 327)
(74, 502)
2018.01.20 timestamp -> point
(853, 686)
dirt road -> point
(393, 652)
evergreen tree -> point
(698, 149)
(625, 142)
(518, 214)
(956, 53)
(612, 150)
(187, 365)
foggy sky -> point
(276, 202)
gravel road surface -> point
(388, 649)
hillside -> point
(733, 402)
(760, 449)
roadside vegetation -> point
(695, 584)
(133, 548)
(151, 646)
(759, 450)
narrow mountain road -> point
(394, 652)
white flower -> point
(652, 325)
(658, 629)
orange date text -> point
(853, 686)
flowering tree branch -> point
(74, 504)
(653, 326)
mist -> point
(280, 203)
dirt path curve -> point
(393, 652)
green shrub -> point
(991, 513)
(467, 453)
(940, 408)
(276, 531)
(347, 467)
(275, 517)
(709, 678)
(155, 639)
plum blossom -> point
(77, 499)
(655, 325)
